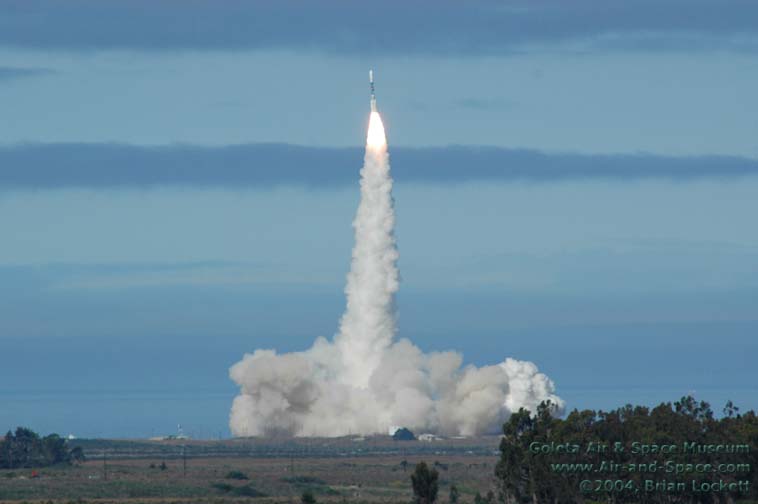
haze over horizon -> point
(581, 197)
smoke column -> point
(365, 382)
(368, 326)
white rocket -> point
(373, 97)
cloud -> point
(119, 276)
(386, 27)
(11, 73)
(82, 165)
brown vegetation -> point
(123, 475)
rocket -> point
(371, 83)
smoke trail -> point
(368, 325)
(364, 382)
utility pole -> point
(184, 459)
(105, 467)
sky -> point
(575, 186)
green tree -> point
(454, 494)
(525, 475)
(77, 455)
(489, 499)
(308, 497)
(512, 471)
(425, 484)
(25, 448)
(730, 410)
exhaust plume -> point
(365, 382)
(368, 325)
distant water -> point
(118, 414)
(204, 415)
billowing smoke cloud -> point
(364, 381)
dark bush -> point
(304, 480)
(224, 487)
(25, 448)
(308, 498)
(236, 475)
(247, 491)
(425, 484)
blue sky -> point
(574, 186)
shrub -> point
(247, 491)
(236, 475)
(304, 480)
(307, 498)
(224, 487)
(424, 484)
(454, 494)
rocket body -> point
(373, 96)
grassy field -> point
(340, 470)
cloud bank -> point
(61, 166)
(351, 27)
(11, 73)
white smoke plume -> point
(365, 382)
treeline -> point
(540, 455)
(25, 448)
